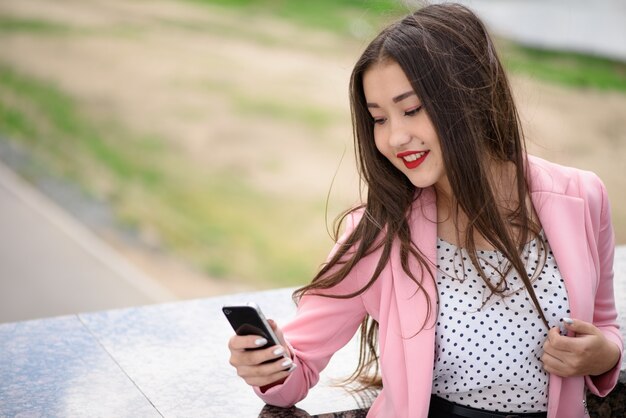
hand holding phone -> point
(259, 365)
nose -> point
(399, 135)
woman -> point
(469, 257)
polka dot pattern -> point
(488, 346)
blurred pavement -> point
(51, 265)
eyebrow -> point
(396, 99)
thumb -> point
(279, 334)
(579, 327)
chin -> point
(421, 184)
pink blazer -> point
(574, 212)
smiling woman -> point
(469, 265)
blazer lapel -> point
(563, 220)
(417, 309)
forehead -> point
(384, 81)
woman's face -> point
(403, 132)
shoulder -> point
(546, 176)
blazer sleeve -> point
(322, 326)
(605, 312)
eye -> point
(379, 121)
(413, 112)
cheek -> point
(380, 139)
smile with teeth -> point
(412, 159)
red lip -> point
(412, 164)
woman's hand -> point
(250, 363)
(589, 353)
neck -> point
(453, 222)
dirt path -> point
(263, 98)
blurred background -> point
(157, 150)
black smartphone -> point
(249, 320)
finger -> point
(557, 343)
(554, 365)
(256, 357)
(264, 374)
(549, 360)
(266, 369)
(265, 380)
(246, 342)
(580, 327)
(554, 335)
(556, 361)
(280, 336)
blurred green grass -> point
(12, 24)
(340, 16)
(570, 69)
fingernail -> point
(286, 363)
(279, 351)
(292, 368)
(259, 342)
(568, 321)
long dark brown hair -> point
(451, 63)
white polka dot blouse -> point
(488, 347)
